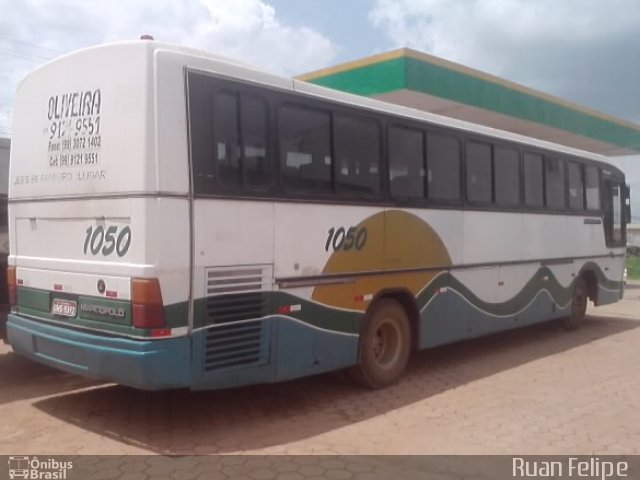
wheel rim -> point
(386, 344)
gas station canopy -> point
(414, 79)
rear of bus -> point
(99, 232)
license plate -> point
(65, 308)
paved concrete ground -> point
(538, 390)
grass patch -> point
(633, 268)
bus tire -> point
(385, 344)
(579, 301)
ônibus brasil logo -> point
(34, 469)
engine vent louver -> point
(233, 345)
(221, 281)
(235, 294)
(233, 308)
(235, 302)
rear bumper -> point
(145, 364)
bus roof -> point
(236, 69)
(206, 61)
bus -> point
(181, 220)
(5, 145)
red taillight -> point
(161, 332)
(146, 300)
(11, 285)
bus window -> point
(479, 172)
(305, 152)
(357, 152)
(614, 213)
(554, 183)
(226, 141)
(626, 201)
(406, 162)
(200, 127)
(253, 118)
(616, 204)
(236, 166)
(533, 191)
(592, 188)
(443, 166)
(576, 186)
(507, 176)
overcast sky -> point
(586, 51)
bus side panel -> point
(293, 335)
(232, 278)
(438, 323)
(473, 302)
(611, 286)
(288, 349)
(168, 236)
(437, 329)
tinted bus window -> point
(238, 166)
(225, 138)
(406, 162)
(479, 172)
(305, 151)
(443, 167)
(357, 155)
(576, 186)
(554, 182)
(533, 188)
(201, 129)
(506, 167)
(253, 118)
(616, 203)
(592, 187)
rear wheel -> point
(384, 346)
(578, 306)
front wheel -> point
(384, 346)
(578, 306)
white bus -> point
(5, 145)
(181, 220)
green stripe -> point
(373, 79)
(414, 74)
(329, 318)
(177, 314)
(561, 295)
(442, 82)
(37, 303)
(321, 316)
